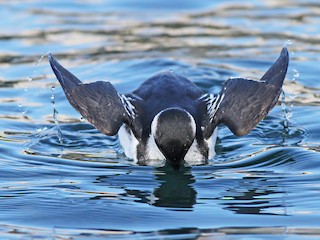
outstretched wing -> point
(243, 103)
(98, 102)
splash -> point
(287, 43)
(296, 74)
(286, 98)
(55, 115)
(287, 113)
(30, 78)
(21, 109)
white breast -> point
(194, 156)
(212, 143)
(129, 142)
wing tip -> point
(285, 55)
(65, 77)
(52, 60)
(284, 51)
(53, 63)
(50, 56)
(277, 72)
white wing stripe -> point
(130, 109)
(213, 104)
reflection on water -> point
(264, 184)
(176, 188)
(252, 195)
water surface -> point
(79, 185)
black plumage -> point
(241, 105)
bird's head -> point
(174, 131)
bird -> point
(168, 118)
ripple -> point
(268, 178)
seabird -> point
(169, 118)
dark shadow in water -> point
(258, 192)
(175, 189)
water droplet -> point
(292, 96)
(40, 59)
(296, 74)
(55, 116)
(30, 78)
(287, 43)
(287, 112)
(52, 94)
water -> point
(62, 179)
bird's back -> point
(166, 90)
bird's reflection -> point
(245, 192)
(176, 188)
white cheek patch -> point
(194, 156)
(154, 125)
(153, 152)
(192, 124)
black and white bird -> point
(169, 118)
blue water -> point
(62, 179)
